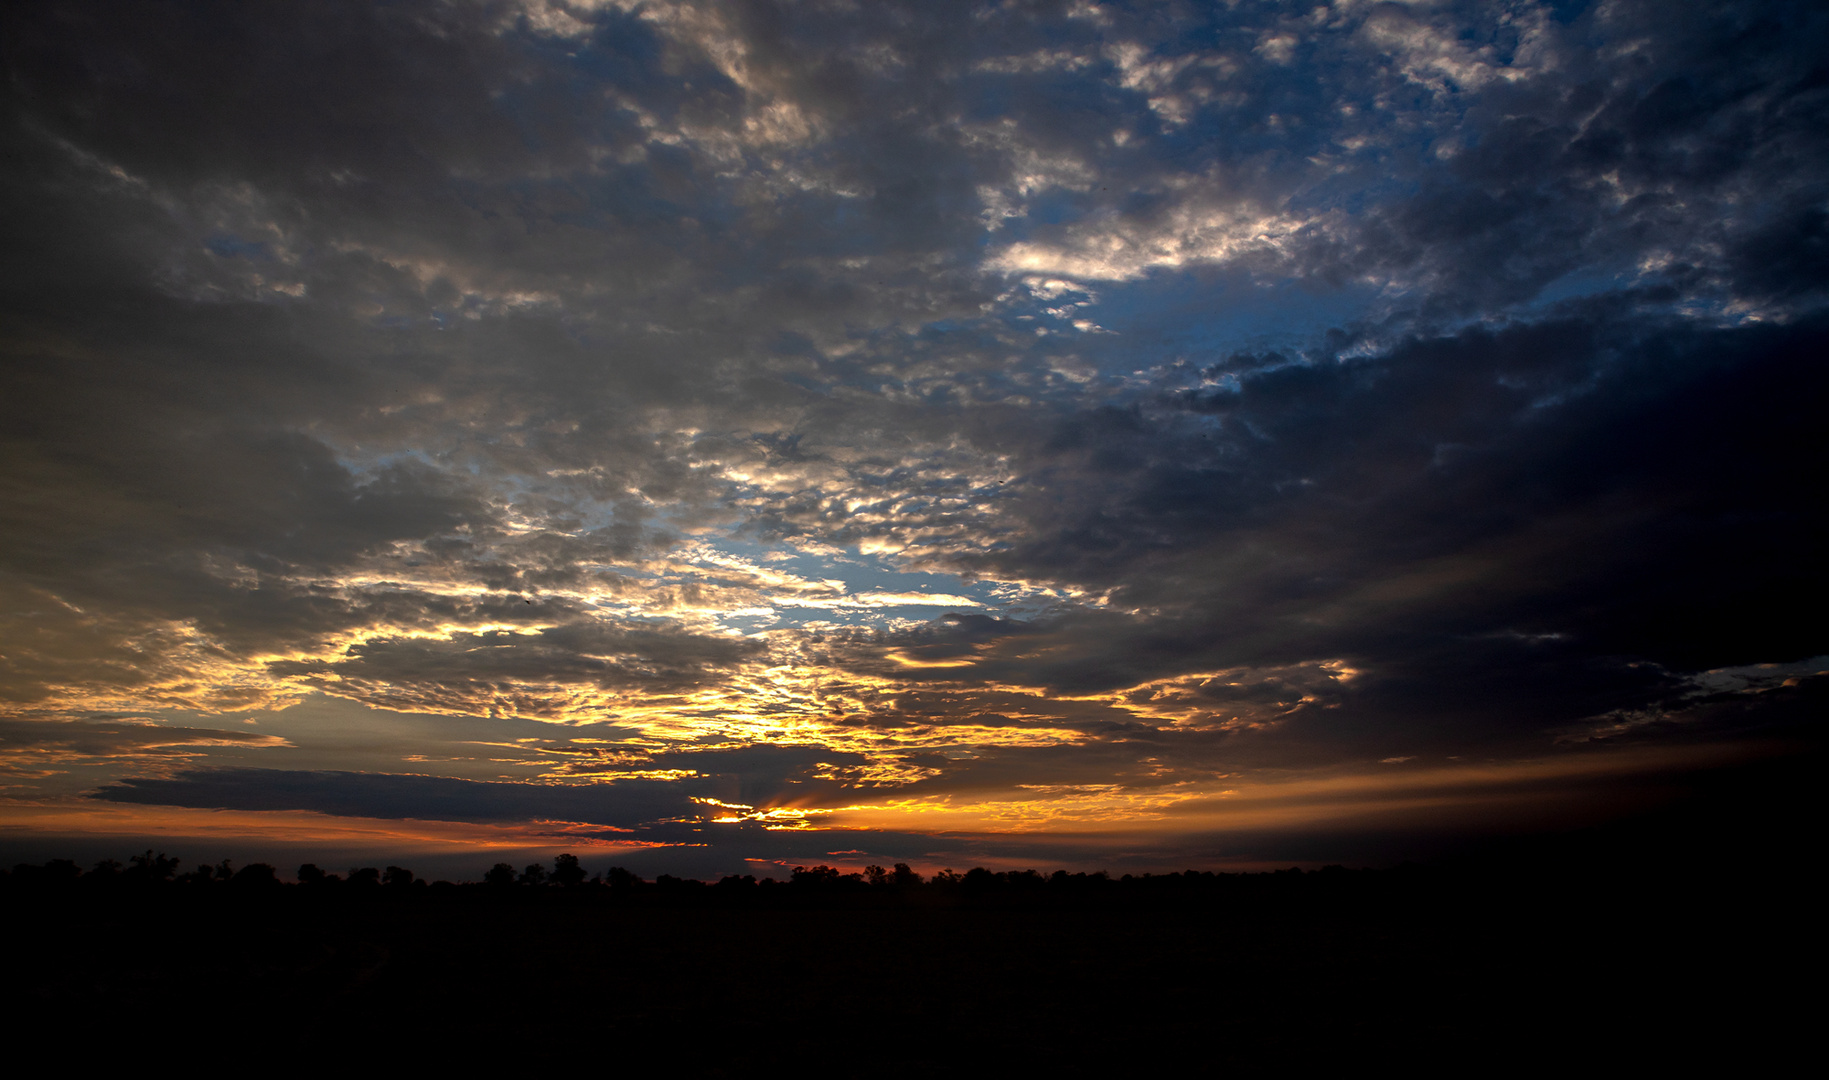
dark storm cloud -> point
(382, 795)
(1641, 485)
(1499, 526)
(747, 776)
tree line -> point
(567, 873)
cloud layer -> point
(1071, 407)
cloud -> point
(117, 738)
(1091, 399)
(707, 779)
(1474, 483)
(36, 754)
(374, 795)
(534, 672)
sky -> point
(716, 437)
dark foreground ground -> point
(1420, 967)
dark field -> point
(1424, 967)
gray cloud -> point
(516, 673)
(117, 737)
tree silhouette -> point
(815, 877)
(535, 874)
(309, 875)
(150, 867)
(567, 871)
(499, 875)
(205, 874)
(256, 875)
